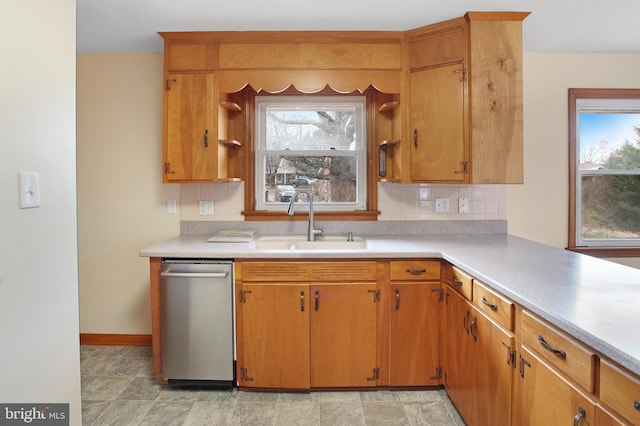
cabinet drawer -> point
(561, 350)
(620, 391)
(338, 271)
(494, 305)
(460, 281)
(414, 270)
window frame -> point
(608, 251)
(373, 101)
(264, 101)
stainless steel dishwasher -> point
(197, 322)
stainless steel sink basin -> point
(299, 242)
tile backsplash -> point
(399, 202)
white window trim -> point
(360, 153)
(593, 105)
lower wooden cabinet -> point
(275, 336)
(343, 335)
(414, 330)
(544, 397)
(478, 363)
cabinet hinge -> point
(462, 72)
(523, 362)
(245, 376)
(464, 167)
(438, 375)
(376, 295)
(167, 84)
(243, 295)
(440, 294)
(375, 375)
(167, 169)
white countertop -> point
(594, 300)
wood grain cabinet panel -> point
(494, 305)
(562, 351)
(545, 397)
(620, 390)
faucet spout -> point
(311, 230)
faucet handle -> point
(349, 236)
(318, 231)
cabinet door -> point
(343, 335)
(275, 336)
(543, 397)
(478, 363)
(189, 133)
(414, 323)
(437, 124)
(492, 371)
(457, 353)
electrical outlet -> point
(442, 205)
(463, 205)
(206, 208)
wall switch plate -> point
(463, 205)
(171, 206)
(29, 190)
(206, 208)
(442, 205)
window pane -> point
(609, 141)
(310, 128)
(610, 206)
(330, 179)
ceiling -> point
(553, 26)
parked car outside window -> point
(300, 182)
(284, 193)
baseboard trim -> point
(115, 339)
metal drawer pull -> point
(457, 281)
(490, 305)
(302, 301)
(317, 296)
(636, 405)
(562, 354)
(193, 274)
(416, 271)
(581, 415)
(397, 299)
(472, 329)
(206, 138)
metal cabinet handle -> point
(581, 415)
(206, 138)
(302, 301)
(415, 137)
(562, 354)
(636, 405)
(472, 329)
(416, 271)
(397, 299)
(317, 297)
(464, 321)
(457, 281)
(492, 306)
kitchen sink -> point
(299, 242)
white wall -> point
(121, 199)
(539, 208)
(38, 263)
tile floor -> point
(118, 389)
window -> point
(311, 143)
(604, 164)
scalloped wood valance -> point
(309, 81)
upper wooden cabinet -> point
(449, 107)
(465, 91)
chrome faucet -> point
(312, 231)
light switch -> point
(29, 190)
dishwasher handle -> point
(194, 274)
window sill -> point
(303, 215)
(607, 252)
